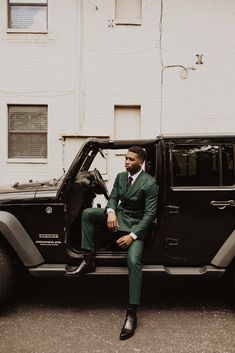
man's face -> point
(133, 164)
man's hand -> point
(112, 222)
(125, 241)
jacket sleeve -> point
(114, 196)
(150, 209)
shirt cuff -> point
(110, 210)
(133, 236)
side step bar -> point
(60, 270)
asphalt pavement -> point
(83, 316)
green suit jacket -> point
(136, 207)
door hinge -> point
(171, 242)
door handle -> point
(171, 209)
(221, 205)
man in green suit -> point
(130, 211)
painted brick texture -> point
(87, 64)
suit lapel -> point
(124, 183)
(137, 184)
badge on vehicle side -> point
(49, 210)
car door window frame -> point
(220, 185)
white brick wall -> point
(204, 103)
(84, 67)
(41, 69)
(122, 68)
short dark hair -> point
(139, 151)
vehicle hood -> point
(30, 190)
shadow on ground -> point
(92, 291)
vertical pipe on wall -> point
(80, 115)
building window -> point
(128, 12)
(127, 122)
(27, 131)
(27, 15)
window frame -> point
(220, 169)
(25, 30)
(26, 160)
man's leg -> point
(134, 257)
(134, 261)
(91, 217)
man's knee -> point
(87, 213)
(93, 215)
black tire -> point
(227, 282)
(232, 280)
(6, 275)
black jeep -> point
(194, 230)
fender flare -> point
(15, 234)
(226, 253)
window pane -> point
(27, 118)
(196, 165)
(27, 131)
(27, 145)
(128, 9)
(28, 17)
(228, 165)
(125, 117)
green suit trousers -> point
(93, 217)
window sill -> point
(27, 160)
(25, 31)
(129, 22)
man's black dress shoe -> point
(86, 266)
(130, 325)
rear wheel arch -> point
(226, 254)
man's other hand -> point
(112, 222)
(125, 241)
